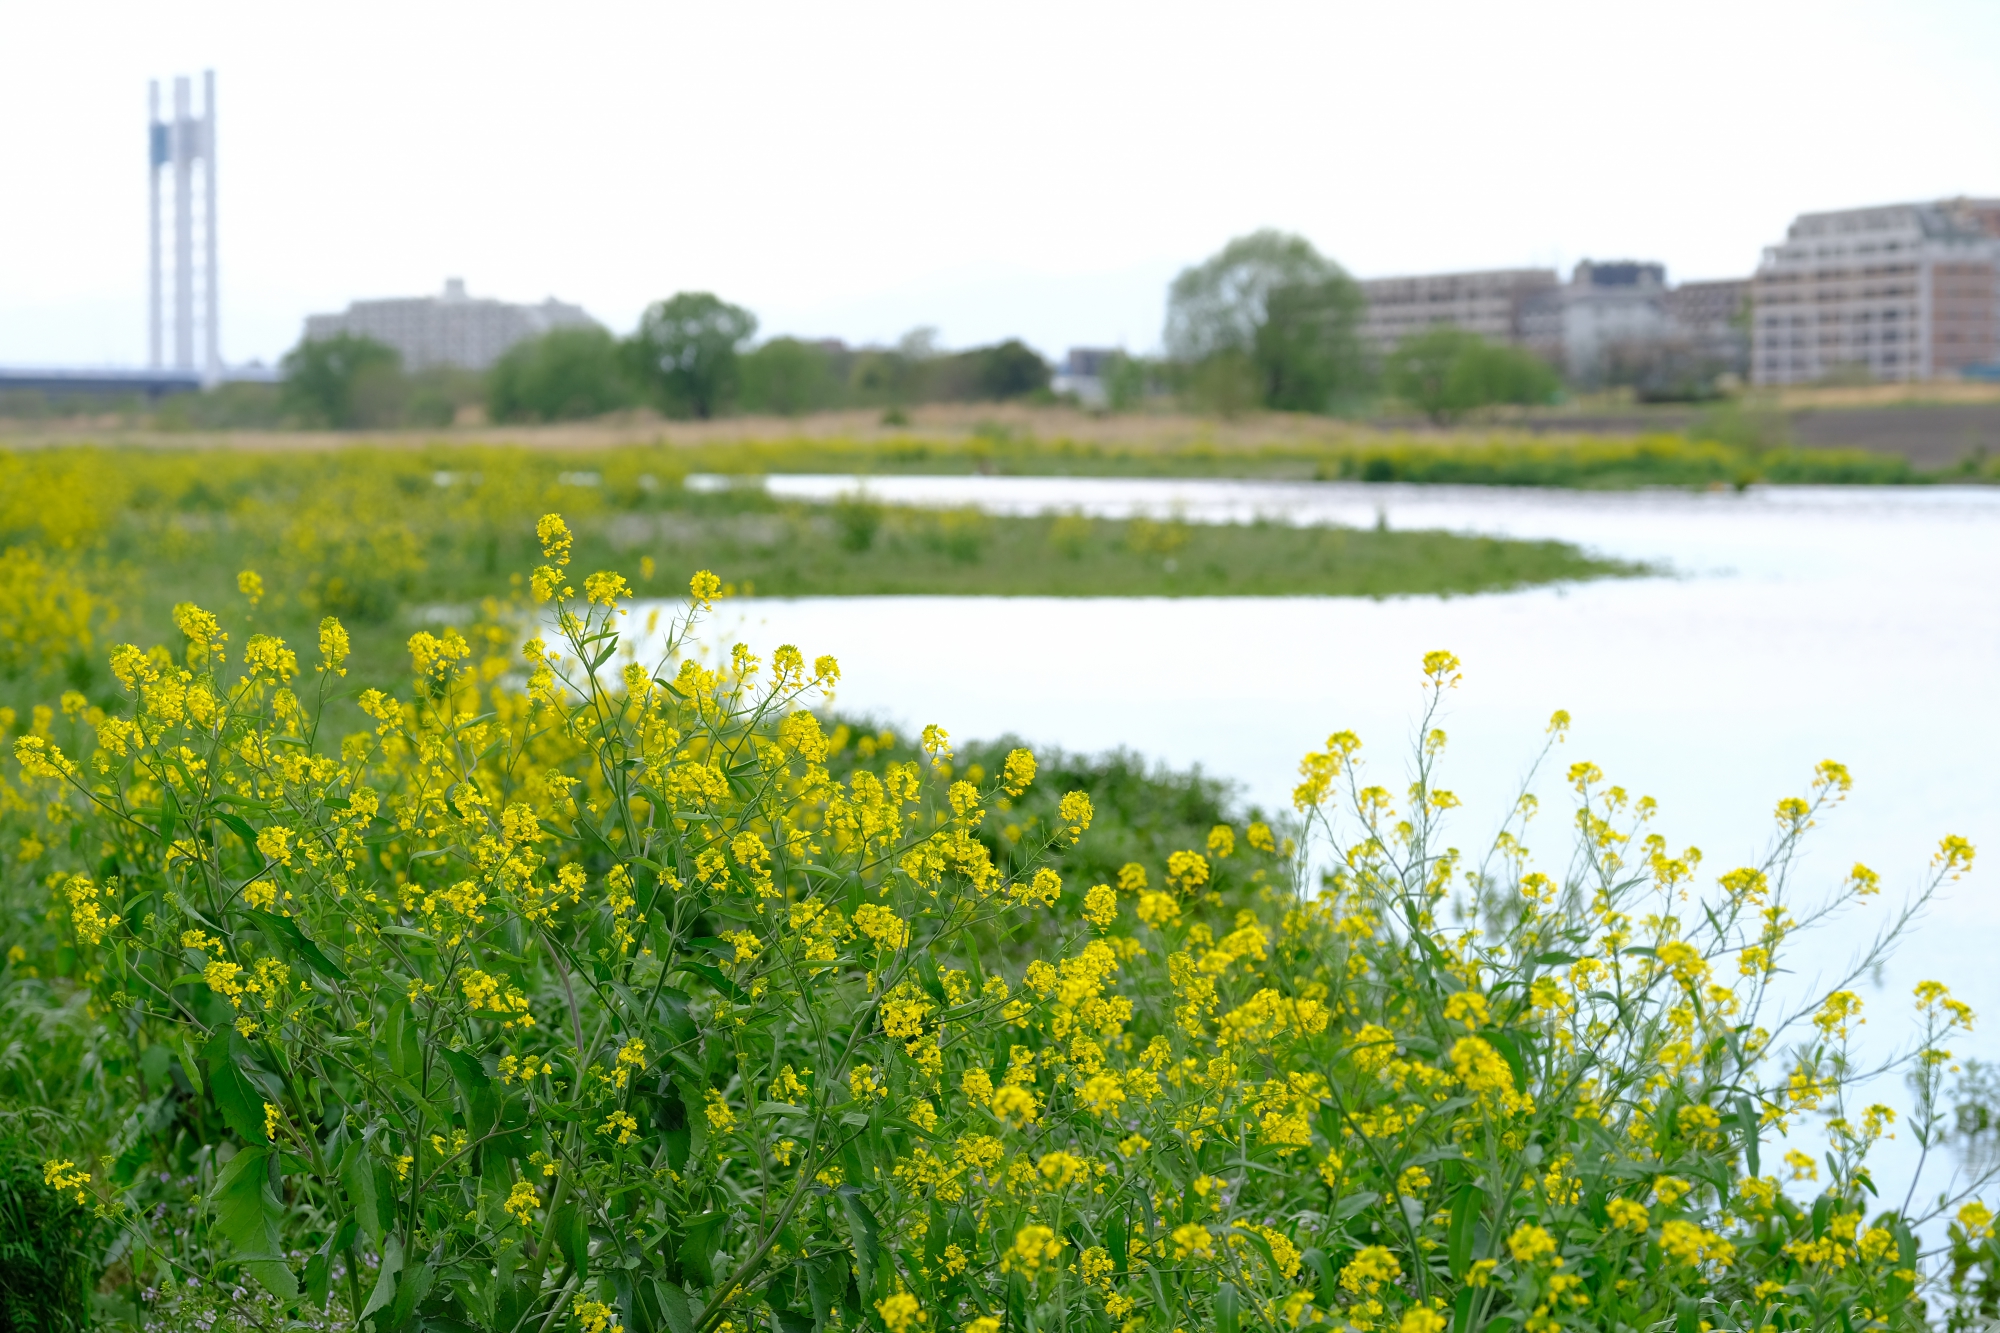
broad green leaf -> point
(1226, 1308)
(674, 1306)
(248, 1214)
(239, 1100)
(286, 934)
(184, 1050)
(366, 1181)
(385, 1278)
(867, 1236)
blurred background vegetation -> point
(97, 545)
(1260, 336)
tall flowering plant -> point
(575, 991)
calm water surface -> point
(1792, 625)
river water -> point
(1787, 626)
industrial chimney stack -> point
(179, 144)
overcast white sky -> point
(1027, 169)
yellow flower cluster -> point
(818, 1009)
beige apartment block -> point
(448, 330)
(1895, 293)
(1489, 303)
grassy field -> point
(1600, 442)
(100, 544)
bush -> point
(1445, 372)
(787, 376)
(343, 382)
(623, 992)
(564, 375)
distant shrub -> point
(343, 382)
(787, 376)
(1446, 372)
(564, 375)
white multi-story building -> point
(1899, 292)
(1605, 308)
(449, 330)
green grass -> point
(847, 550)
(389, 539)
(1593, 463)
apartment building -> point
(1488, 303)
(1713, 318)
(452, 329)
(1898, 292)
(1612, 321)
(1606, 308)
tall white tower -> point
(180, 144)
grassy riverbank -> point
(1772, 441)
(1582, 462)
(101, 544)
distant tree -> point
(880, 376)
(1445, 372)
(1010, 369)
(564, 375)
(1126, 380)
(995, 373)
(1226, 383)
(1306, 349)
(435, 395)
(786, 376)
(343, 382)
(684, 352)
(1274, 300)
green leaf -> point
(674, 1306)
(367, 1185)
(247, 1213)
(1465, 1210)
(318, 1275)
(826, 1279)
(1354, 1203)
(1227, 1309)
(867, 1236)
(1746, 1115)
(414, 1286)
(698, 1246)
(241, 1104)
(285, 933)
(714, 978)
(236, 825)
(399, 1035)
(1461, 1314)
(482, 1107)
(385, 1279)
(184, 1052)
(1510, 1051)
(1316, 1260)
